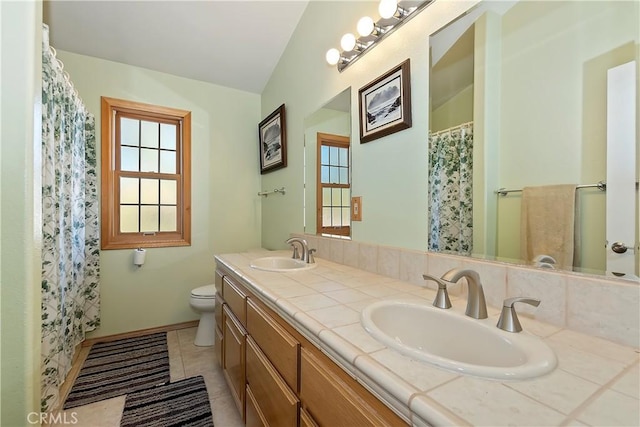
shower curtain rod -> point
(451, 129)
(601, 185)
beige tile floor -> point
(186, 360)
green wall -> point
(225, 183)
(20, 77)
(457, 110)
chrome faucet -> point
(509, 318)
(306, 254)
(476, 304)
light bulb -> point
(333, 56)
(387, 8)
(365, 26)
(348, 42)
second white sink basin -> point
(457, 342)
(281, 264)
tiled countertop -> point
(596, 383)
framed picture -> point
(273, 141)
(385, 104)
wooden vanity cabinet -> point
(322, 386)
(233, 360)
(306, 420)
(279, 378)
(218, 278)
(274, 400)
(219, 323)
(235, 297)
(279, 346)
(253, 417)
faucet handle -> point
(508, 320)
(310, 258)
(295, 255)
(442, 297)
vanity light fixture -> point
(393, 13)
(348, 42)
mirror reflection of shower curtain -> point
(451, 190)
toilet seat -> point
(204, 292)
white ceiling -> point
(233, 43)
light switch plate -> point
(356, 208)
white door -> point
(621, 169)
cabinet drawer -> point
(275, 401)
(306, 420)
(217, 311)
(330, 400)
(235, 299)
(218, 281)
(254, 417)
(233, 360)
(278, 345)
(218, 347)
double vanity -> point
(321, 343)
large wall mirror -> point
(528, 85)
(327, 168)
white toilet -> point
(203, 300)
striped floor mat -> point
(120, 367)
(183, 403)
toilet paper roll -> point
(139, 256)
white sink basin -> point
(457, 342)
(281, 264)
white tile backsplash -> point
(549, 288)
(351, 253)
(368, 258)
(412, 265)
(336, 251)
(599, 306)
(389, 262)
(595, 307)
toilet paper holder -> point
(139, 256)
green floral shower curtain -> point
(70, 225)
(450, 190)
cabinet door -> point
(219, 347)
(235, 298)
(306, 420)
(233, 359)
(218, 281)
(278, 345)
(330, 400)
(275, 401)
(254, 417)
(217, 311)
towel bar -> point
(602, 186)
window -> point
(146, 175)
(334, 189)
